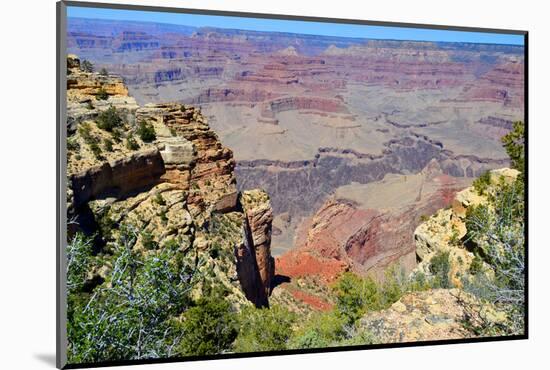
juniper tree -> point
(131, 315)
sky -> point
(303, 27)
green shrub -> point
(85, 132)
(497, 232)
(131, 315)
(108, 145)
(311, 338)
(171, 244)
(102, 94)
(454, 239)
(440, 267)
(163, 216)
(103, 72)
(264, 329)
(357, 338)
(79, 254)
(96, 150)
(116, 135)
(476, 266)
(482, 183)
(419, 282)
(394, 286)
(514, 143)
(109, 119)
(148, 241)
(105, 223)
(356, 295)
(159, 199)
(321, 330)
(146, 132)
(208, 328)
(72, 144)
(87, 66)
(131, 143)
(89, 105)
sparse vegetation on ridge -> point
(146, 132)
(87, 66)
(131, 143)
(102, 94)
(109, 119)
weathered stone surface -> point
(83, 90)
(445, 230)
(211, 179)
(175, 192)
(257, 245)
(118, 177)
(178, 151)
(429, 315)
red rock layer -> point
(343, 235)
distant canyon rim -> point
(353, 139)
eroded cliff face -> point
(255, 265)
(84, 88)
(176, 190)
(206, 170)
(120, 176)
(445, 230)
(367, 228)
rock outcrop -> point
(259, 217)
(208, 167)
(175, 191)
(84, 94)
(445, 230)
(437, 314)
(117, 177)
(255, 265)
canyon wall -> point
(176, 190)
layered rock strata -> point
(84, 94)
(254, 260)
(177, 191)
(367, 228)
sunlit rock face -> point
(175, 190)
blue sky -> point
(313, 28)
